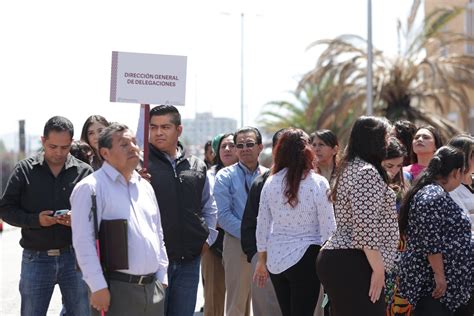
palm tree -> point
(306, 110)
(423, 77)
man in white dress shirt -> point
(121, 194)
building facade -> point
(464, 23)
(197, 131)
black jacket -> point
(249, 219)
(31, 189)
(179, 195)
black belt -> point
(130, 278)
(53, 252)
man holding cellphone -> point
(60, 213)
(38, 186)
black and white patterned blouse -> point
(436, 224)
(365, 212)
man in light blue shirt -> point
(121, 194)
(230, 192)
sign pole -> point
(146, 127)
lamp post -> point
(242, 69)
(242, 31)
(369, 58)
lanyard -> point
(245, 179)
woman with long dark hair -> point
(393, 165)
(426, 141)
(212, 269)
(404, 131)
(397, 181)
(326, 147)
(436, 268)
(295, 218)
(352, 264)
(91, 129)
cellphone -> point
(61, 212)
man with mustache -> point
(121, 193)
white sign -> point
(148, 78)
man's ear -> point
(104, 153)
(180, 130)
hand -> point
(441, 285)
(377, 282)
(260, 275)
(143, 172)
(205, 248)
(164, 285)
(46, 220)
(64, 219)
(100, 300)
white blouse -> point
(284, 232)
(465, 199)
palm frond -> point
(421, 84)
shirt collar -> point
(71, 162)
(115, 175)
(177, 156)
(180, 153)
(246, 170)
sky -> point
(56, 55)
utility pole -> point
(241, 69)
(369, 58)
(22, 147)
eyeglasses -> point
(241, 145)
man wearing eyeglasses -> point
(230, 192)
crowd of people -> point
(383, 226)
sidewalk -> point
(10, 266)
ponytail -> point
(444, 161)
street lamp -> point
(242, 69)
(242, 18)
(369, 58)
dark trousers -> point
(466, 309)
(297, 288)
(133, 299)
(345, 275)
(428, 306)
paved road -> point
(10, 265)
